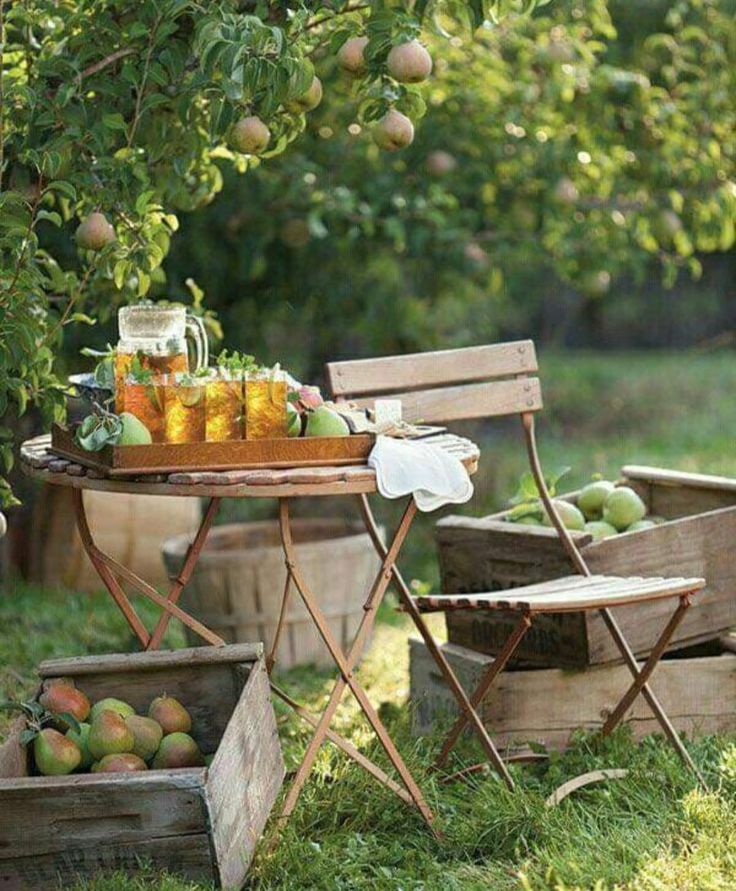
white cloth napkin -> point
(433, 476)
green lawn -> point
(650, 832)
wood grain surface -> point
(434, 369)
(547, 705)
(202, 823)
(37, 462)
(490, 554)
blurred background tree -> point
(571, 168)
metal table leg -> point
(346, 663)
(110, 570)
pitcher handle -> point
(195, 326)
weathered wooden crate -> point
(200, 822)
(546, 705)
(490, 554)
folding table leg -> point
(108, 579)
(449, 675)
(346, 663)
(345, 746)
(109, 570)
(271, 658)
(190, 561)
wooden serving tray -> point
(242, 454)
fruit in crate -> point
(623, 507)
(640, 525)
(61, 698)
(170, 715)
(124, 762)
(147, 736)
(81, 739)
(109, 735)
(324, 421)
(571, 517)
(55, 754)
(110, 704)
(592, 498)
(115, 740)
(599, 529)
(178, 750)
(602, 508)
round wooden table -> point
(283, 484)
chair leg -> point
(449, 675)
(485, 683)
(642, 676)
(648, 694)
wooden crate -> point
(202, 823)
(490, 554)
(546, 705)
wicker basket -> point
(238, 583)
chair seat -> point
(573, 593)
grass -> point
(651, 832)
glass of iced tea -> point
(184, 408)
(225, 409)
(158, 363)
(265, 404)
(143, 395)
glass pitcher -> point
(157, 334)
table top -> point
(37, 462)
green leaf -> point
(50, 215)
(114, 121)
(120, 273)
(70, 720)
(60, 185)
(27, 735)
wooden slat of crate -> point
(246, 773)
(490, 554)
(88, 810)
(547, 705)
(187, 855)
(201, 822)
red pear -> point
(170, 714)
(63, 698)
(55, 754)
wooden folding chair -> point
(493, 381)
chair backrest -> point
(452, 385)
(448, 385)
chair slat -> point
(363, 377)
(571, 594)
(469, 401)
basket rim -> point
(176, 545)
